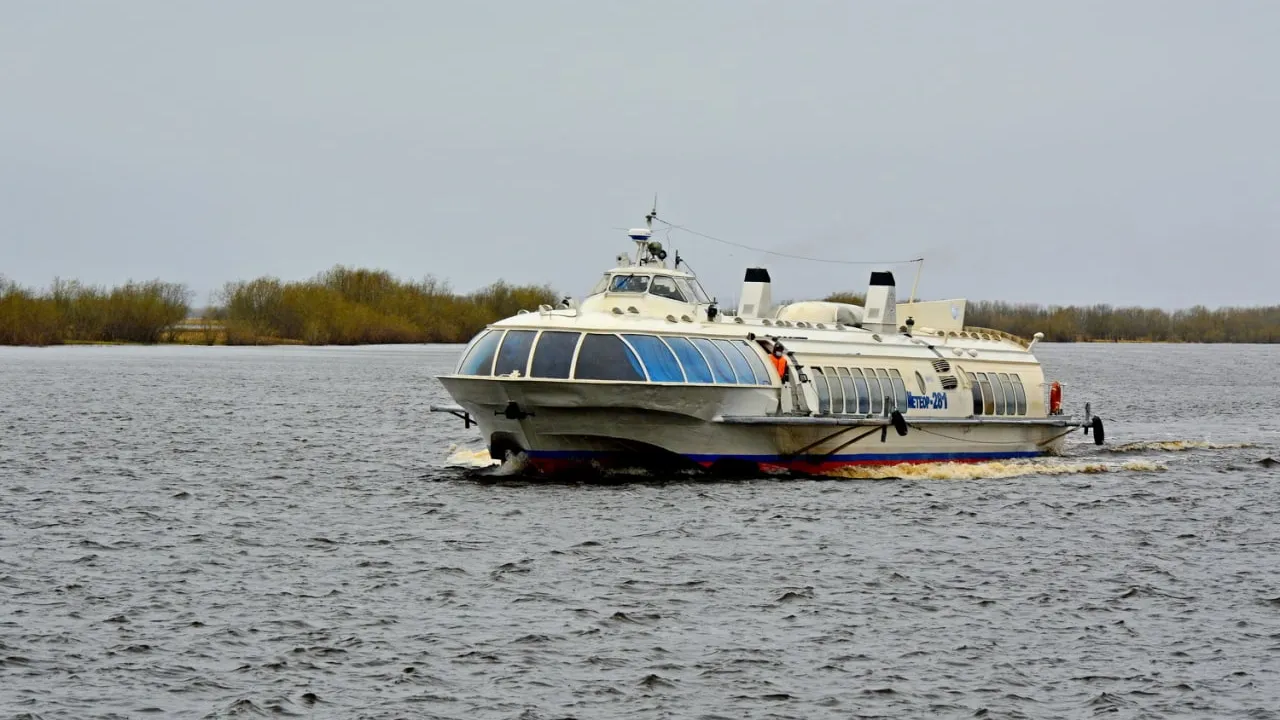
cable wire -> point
(673, 226)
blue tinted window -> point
(657, 357)
(824, 393)
(479, 360)
(720, 368)
(553, 355)
(606, 357)
(753, 358)
(695, 366)
(850, 392)
(741, 367)
(864, 397)
(837, 390)
(514, 353)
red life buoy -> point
(1055, 398)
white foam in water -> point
(469, 457)
(989, 470)
(1176, 446)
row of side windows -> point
(556, 354)
(998, 394)
(858, 391)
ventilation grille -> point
(949, 382)
(941, 365)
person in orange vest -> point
(779, 361)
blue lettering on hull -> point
(936, 401)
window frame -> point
(877, 392)
(644, 372)
(864, 391)
(833, 387)
(523, 369)
(684, 378)
(820, 387)
(573, 353)
(733, 377)
(711, 376)
(466, 355)
(850, 390)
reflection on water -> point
(192, 532)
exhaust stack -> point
(881, 310)
(757, 294)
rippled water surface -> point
(191, 532)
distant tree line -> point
(1124, 324)
(144, 312)
(1107, 323)
(348, 306)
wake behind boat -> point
(648, 371)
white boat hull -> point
(559, 424)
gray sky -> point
(1110, 151)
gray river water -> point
(219, 532)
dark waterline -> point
(192, 532)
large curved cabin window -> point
(899, 389)
(663, 286)
(1010, 403)
(606, 357)
(977, 393)
(988, 399)
(657, 358)
(864, 396)
(1019, 393)
(824, 393)
(553, 355)
(513, 356)
(837, 390)
(479, 359)
(695, 366)
(850, 393)
(877, 397)
(720, 367)
(629, 283)
(999, 392)
(741, 368)
(887, 387)
(757, 365)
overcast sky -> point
(1117, 151)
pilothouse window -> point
(663, 286)
(629, 283)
